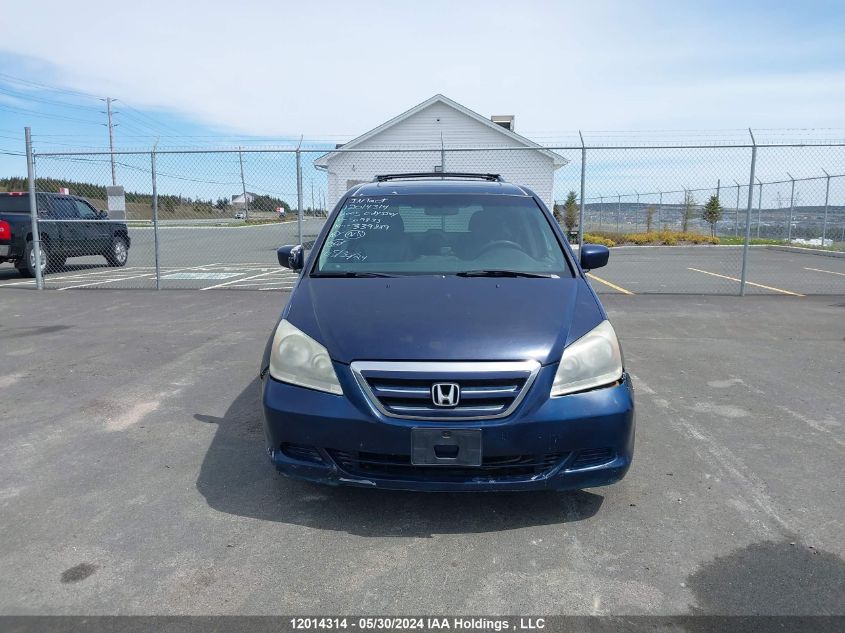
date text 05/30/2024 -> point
(418, 623)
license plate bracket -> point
(446, 447)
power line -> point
(43, 86)
(141, 117)
(136, 125)
(140, 114)
(46, 116)
(139, 133)
(53, 102)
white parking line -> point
(263, 282)
(821, 270)
(233, 281)
(135, 227)
(111, 281)
(750, 283)
(251, 276)
(86, 273)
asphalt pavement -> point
(244, 257)
(133, 477)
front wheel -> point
(118, 253)
(26, 266)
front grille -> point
(386, 466)
(404, 390)
(592, 457)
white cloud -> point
(340, 68)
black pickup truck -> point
(69, 226)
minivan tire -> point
(118, 252)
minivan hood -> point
(444, 317)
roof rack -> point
(439, 174)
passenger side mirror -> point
(594, 256)
(103, 214)
(291, 256)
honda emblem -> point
(445, 394)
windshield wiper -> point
(504, 273)
(352, 274)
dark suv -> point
(443, 336)
(69, 226)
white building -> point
(441, 131)
(238, 199)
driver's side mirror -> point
(103, 214)
(594, 256)
(291, 256)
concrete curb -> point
(807, 251)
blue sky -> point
(207, 74)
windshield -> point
(441, 234)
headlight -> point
(594, 360)
(298, 359)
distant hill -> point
(139, 205)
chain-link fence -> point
(724, 219)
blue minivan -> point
(442, 335)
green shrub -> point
(592, 238)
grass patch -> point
(759, 241)
(652, 238)
(260, 221)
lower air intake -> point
(592, 457)
(386, 466)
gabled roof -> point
(518, 140)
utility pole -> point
(313, 208)
(108, 101)
(243, 185)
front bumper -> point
(576, 441)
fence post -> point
(601, 207)
(660, 212)
(33, 210)
(243, 185)
(736, 210)
(748, 214)
(637, 214)
(826, 200)
(299, 194)
(791, 209)
(581, 209)
(618, 210)
(155, 217)
(759, 207)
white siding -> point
(423, 129)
